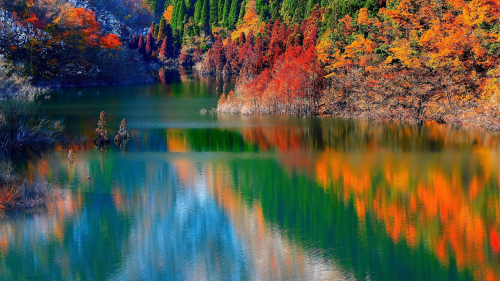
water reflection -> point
(224, 197)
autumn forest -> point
(416, 61)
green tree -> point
(288, 9)
(243, 6)
(274, 9)
(178, 15)
(189, 4)
(300, 12)
(204, 15)
(197, 11)
(214, 11)
(233, 14)
(162, 30)
(157, 28)
(310, 6)
(225, 18)
(262, 7)
(220, 8)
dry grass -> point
(18, 193)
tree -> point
(155, 6)
(123, 134)
(262, 7)
(162, 30)
(288, 8)
(167, 15)
(80, 24)
(165, 51)
(157, 29)
(214, 10)
(310, 6)
(177, 20)
(300, 12)
(242, 39)
(233, 14)
(204, 17)
(220, 12)
(111, 42)
(101, 139)
(152, 28)
(141, 44)
(150, 45)
(134, 42)
(225, 19)
(197, 11)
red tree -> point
(150, 44)
(164, 50)
(152, 28)
(141, 45)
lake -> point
(226, 197)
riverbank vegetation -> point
(410, 60)
(22, 130)
(406, 60)
(22, 127)
(16, 192)
(420, 60)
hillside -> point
(74, 42)
(416, 61)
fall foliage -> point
(407, 60)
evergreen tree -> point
(178, 16)
(274, 9)
(166, 48)
(141, 45)
(157, 28)
(204, 15)
(214, 10)
(300, 12)
(220, 7)
(225, 18)
(189, 4)
(262, 7)
(134, 42)
(156, 6)
(243, 6)
(162, 30)
(150, 44)
(168, 33)
(152, 28)
(288, 9)
(233, 14)
(197, 11)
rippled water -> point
(227, 197)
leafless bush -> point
(18, 193)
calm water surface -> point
(223, 197)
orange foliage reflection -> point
(446, 200)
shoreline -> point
(467, 119)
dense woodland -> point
(414, 60)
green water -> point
(226, 197)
